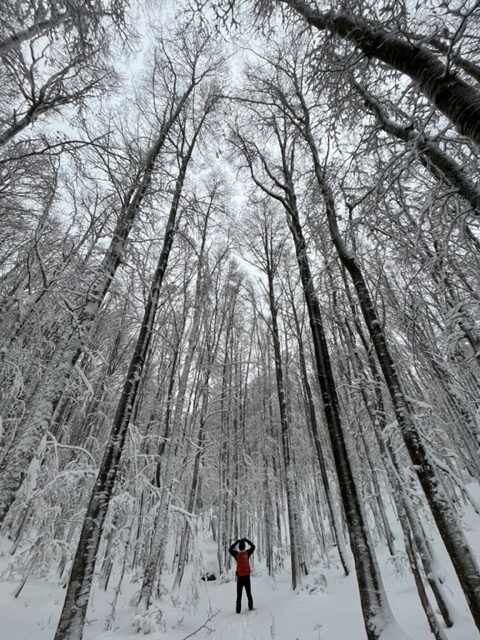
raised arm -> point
(252, 546)
(231, 549)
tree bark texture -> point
(451, 95)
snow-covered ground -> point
(326, 608)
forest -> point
(240, 300)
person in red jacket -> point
(242, 557)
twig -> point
(204, 625)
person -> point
(242, 557)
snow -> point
(325, 608)
(308, 614)
(278, 613)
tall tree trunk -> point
(407, 515)
(453, 537)
(372, 593)
(373, 599)
(446, 90)
(193, 493)
(312, 416)
(290, 483)
(157, 550)
(70, 626)
(49, 390)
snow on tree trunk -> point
(447, 91)
(46, 396)
(157, 550)
(74, 610)
(290, 484)
(455, 541)
(375, 607)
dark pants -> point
(244, 581)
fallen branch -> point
(211, 615)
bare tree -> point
(78, 591)
(49, 390)
(372, 593)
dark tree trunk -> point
(453, 537)
(368, 575)
(293, 518)
(439, 163)
(338, 533)
(456, 99)
(70, 626)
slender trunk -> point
(168, 411)
(378, 497)
(222, 455)
(111, 616)
(406, 513)
(291, 492)
(375, 608)
(192, 497)
(157, 550)
(312, 416)
(435, 628)
(372, 593)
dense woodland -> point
(239, 291)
